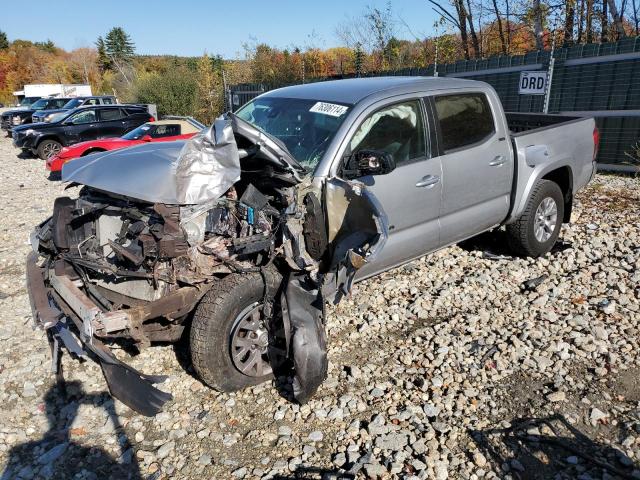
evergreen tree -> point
(103, 60)
(118, 45)
(4, 41)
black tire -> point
(214, 320)
(48, 148)
(521, 235)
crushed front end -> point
(123, 263)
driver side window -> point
(396, 129)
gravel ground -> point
(445, 368)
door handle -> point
(428, 181)
(496, 162)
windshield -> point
(306, 127)
(138, 133)
(73, 103)
(40, 104)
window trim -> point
(438, 129)
(425, 124)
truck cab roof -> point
(354, 90)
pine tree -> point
(103, 60)
(118, 45)
(4, 41)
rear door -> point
(112, 122)
(410, 195)
(477, 165)
(81, 126)
(134, 118)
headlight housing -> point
(17, 120)
(48, 117)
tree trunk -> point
(503, 42)
(506, 3)
(537, 24)
(569, 22)
(472, 30)
(635, 16)
(589, 21)
(580, 22)
(462, 24)
(617, 19)
(604, 21)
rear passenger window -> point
(107, 101)
(464, 119)
(397, 129)
(166, 131)
(110, 114)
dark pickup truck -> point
(79, 125)
(22, 116)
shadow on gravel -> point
(494, 245)
(25, 154)
(57, 455)
(315, 473)
(541, 448)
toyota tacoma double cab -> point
(237, 237)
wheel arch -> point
(48, 136)
(563, 177)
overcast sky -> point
(191, 27)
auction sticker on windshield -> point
(329, 109)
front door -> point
(409, 195)
(82, 126)
(477, 166)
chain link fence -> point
(599, 80)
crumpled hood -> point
(145, 172)
(190, 172)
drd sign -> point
(533, 83)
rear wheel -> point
(48, 148)
(232, 343)
(536, 231)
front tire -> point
(536, 231)
(48, 148)
(229, 342)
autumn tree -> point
(209, 93)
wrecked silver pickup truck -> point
(239, 236)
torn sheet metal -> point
(208, 164)
(303, 313)
(358, 231)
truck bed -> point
(545, 143)
(525, 122)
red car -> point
(160, 131)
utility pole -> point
(552, 61)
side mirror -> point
(146, 138)
(370, 162)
